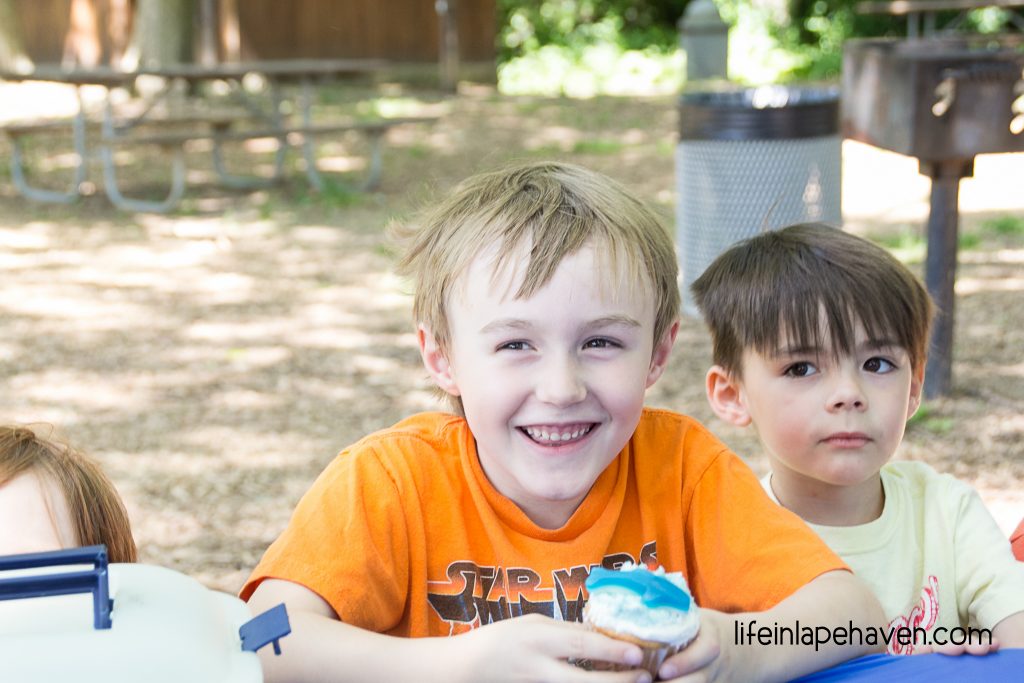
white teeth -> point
(543, 435)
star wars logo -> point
(474, 595)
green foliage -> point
(597, 147)
(598, 69)
(583, 47)
(576, 47)
(336, 194)
(926, 419)
(910, 246)
(578, 24)
(1005, 225)
(817, 29)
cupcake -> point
(651, 609)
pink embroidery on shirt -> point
(923, 616)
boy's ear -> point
(435, 361)
(662, 350)
(725, 397)
(916, 386)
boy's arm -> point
(832, 601)
(321, 648)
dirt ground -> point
(216, 359)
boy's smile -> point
(552, 385)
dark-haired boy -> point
(820, 339)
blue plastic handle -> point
(268, 627)
(95, 581)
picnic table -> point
(288, 81)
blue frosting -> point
(654, 590)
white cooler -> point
(123, 623)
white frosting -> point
(622, 610)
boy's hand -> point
(701, 660)
(537, 648)
(976, 646)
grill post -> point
(940, 266)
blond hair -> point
(97, 512)
(548, 210)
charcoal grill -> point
(944, 100)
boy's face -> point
(826, 419)
(552, 385)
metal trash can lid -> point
(773, 112)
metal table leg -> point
(111, 186)
(118, 199)
(374, 135)
(242, 182)
(52, 196)
(308, 141)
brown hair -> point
(549, 209)
(98, 514)
(783, 282)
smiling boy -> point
(546, 304)
(820, 340)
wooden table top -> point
(285, 69)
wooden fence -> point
(398, 30)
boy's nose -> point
(561, 384)
(847, 394)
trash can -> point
(751, 160)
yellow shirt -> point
(935, 557)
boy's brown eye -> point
(879, 365)
(800, 370)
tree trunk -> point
(82, 42)
(208, 38)
(119, 27)
(163, 32)
(12, 49)
(230, 31)
(449, 44)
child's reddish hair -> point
(97, 511)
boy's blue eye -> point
(600, 343)
(512, 346)
(801, 369)
(879, 365)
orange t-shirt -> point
(403, 534)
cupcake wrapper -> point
(654, 652)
